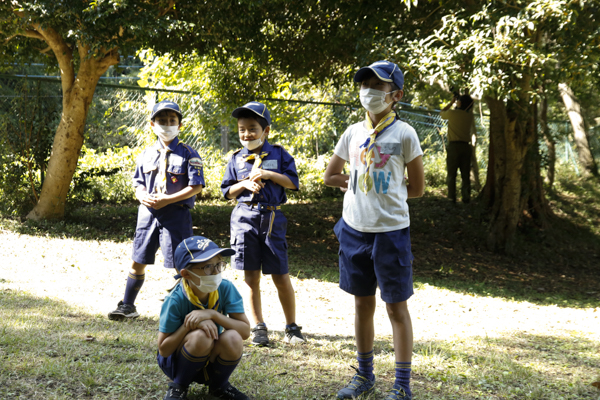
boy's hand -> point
(252, 186)
(257, 174)
(147, 199)
(160, 201)
(210, 328)
(193, 319)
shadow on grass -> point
(560, 265)
(49, 349)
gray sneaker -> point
(357, 386)
(260, 335)
(123, 312)
(293, 334)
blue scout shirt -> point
(184, 168)
(278, 160)
(176, 306)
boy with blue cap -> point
(374, 231)
(167, 178)
(257, 176)
(202, 324)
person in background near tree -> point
(257, 176)
(168, 176)
(374, 231)
(458, 156)
(202, 324)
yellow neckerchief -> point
(161, 187)
(258, 159)
(213, 297)
(369, 144)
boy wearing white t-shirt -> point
(374, 230)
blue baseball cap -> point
(197, 249)
(258, 108)
(385, 70)
(166, 105)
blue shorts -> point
(250, 227)
(164, 228)
(368, 259)
(169, 367)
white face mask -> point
(166, 133)
(373, 100)
(208, 283)
(252, 144)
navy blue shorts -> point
(169, 367)
(251, 241)
(368, 259)
(164, 228)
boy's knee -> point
(281, 280)
(231, 341)
(252, 278)
(198, 343)
(398, 312)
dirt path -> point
(92, 276)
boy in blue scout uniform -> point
(168, 176)
(374, 231)
(202, 324)
(257, 177)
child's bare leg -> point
(364, 327)
(252, 279)
(197, 343)
(229, 346)
(402, 330)
(137, 268)
(287, 296)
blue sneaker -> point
(358, 386)
(398, 393)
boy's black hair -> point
(252, 115)
(164, 111)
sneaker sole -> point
(294, 340)
(122, 317)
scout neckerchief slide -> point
(213, 297)
(161, 186)
(369, 144)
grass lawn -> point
(487, 326)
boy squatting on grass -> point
(374, 231)
(167, 178)
(257, 177)
(192, 343)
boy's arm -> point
(246, 184)
(333, 174)
(415, 177)
(236, 321)
(280, 179)
(169, 342)
(163, 199)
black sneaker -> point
(176, 392)
(228, 392)
(293, 334)
(123, 312)
(260, 335)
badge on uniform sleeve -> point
(196, 162)
(173, 179)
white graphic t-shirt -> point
(381, 207)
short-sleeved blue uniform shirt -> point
(184, 168)
(176, 306)
(277, 160)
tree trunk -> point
(225, 138)
(68, 139)
(586, 159)
(550, 144)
